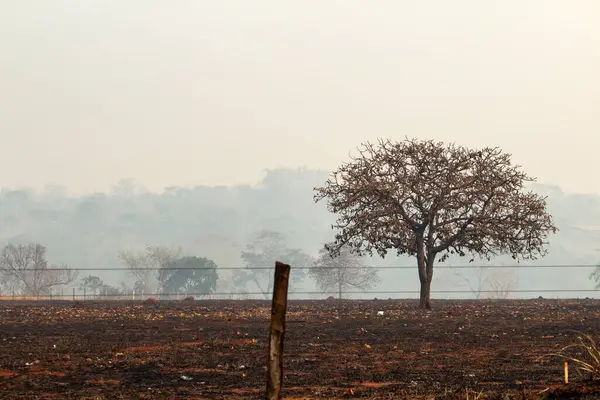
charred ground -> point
(217, 349)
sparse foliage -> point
(27, 267)
(501, 284)
(595, 276)
(263, 249)
(109, 291)
(126, 289)
(490, 282)
(429, 200)
(91, 283)
(476, 280)
(185, 275)
(6, 282)
(145, 265)
(343, 272)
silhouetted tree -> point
(26, 265)
(263, 249)
(197, 275)
(145, 265)
(91, 283)
(344, 271)
(490, 282)
(430, 199)
(110, 291)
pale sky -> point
(188, 92)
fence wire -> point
(438, 267)
(82, 294)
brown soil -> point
(217, 349)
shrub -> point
(150, 300)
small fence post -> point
(276, 335)
(13, 292)
(73, 294)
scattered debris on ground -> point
(342, 349)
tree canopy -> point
(145, 265)
(91, 282)
(343, 272)
(264, 247)
(197, 275)
(430, 199)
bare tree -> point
(476, 280)
(342, 272)
(501, 284)
(429, 200)
(26, 265)
(483, 279)
(144, 266)
(263, 249)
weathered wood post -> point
(278, 308)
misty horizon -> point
(239, 111)
(214, 93)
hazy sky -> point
(190, 92)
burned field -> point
(217, 349)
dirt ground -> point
(217, 349)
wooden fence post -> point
(278, 308)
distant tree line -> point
(164, 271)
(420, 198)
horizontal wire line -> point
(100, 295)
(307, 268)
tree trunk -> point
(425, 299)
(425, 266)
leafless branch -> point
(27, 266)
(342, 272)
(144, 266)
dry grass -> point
(587, 359)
